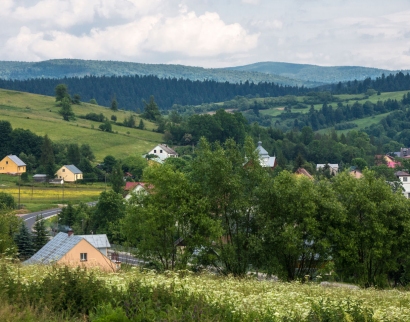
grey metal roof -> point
(267, 162)
(73, 169)
(402, 174)
(98, 241)
(16, 160)
(167, 149)
(55, 249)
(40, 176)
(261, 150)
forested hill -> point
(389, 83)
(131, 91)
(314, 73)
(60, 68)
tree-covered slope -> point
(130, 91)
(314, 73)
(60, 68)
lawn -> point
(38, 196)
(39, 114)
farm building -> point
(70, 173)
(12, 164)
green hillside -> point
(39, 114)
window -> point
(160, 151)
(155, 151)
(83, 257)
(7, 162)
(405, 179)
(63, 170)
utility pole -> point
(19, 191)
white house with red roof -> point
(135, 188)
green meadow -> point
(39, 114)
(345, 99)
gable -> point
(94, 258)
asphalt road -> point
(30, 218)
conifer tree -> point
(24, 242)
(114, 105)
(40, 237)
(141, 126)
(47, 157)
(68, 215)
(117, 178)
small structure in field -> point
(40, 178)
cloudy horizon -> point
(209, 33)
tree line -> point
(131, 91)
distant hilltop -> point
(314, 73)
(272, 72)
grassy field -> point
(39, 114)
(38, 197)
(242, 299)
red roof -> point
(132, 185)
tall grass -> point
(183, 296)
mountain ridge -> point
(316, 73)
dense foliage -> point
(391, 83)
(130, 91)
(230, 213)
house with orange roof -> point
(303, 172)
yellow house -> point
(70, 173)
(72, 250)
(12, 164)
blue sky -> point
(209, 33)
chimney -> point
(70, 232)
(260, 143)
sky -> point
(209, 33)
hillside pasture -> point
(39, 114)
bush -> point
(106, 127)
(94, 117)
(7, 201)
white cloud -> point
(203, 35)
(188, 35)
(254, 2)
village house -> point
(135, 188)
(355, 172)
(70, 173)
(72, 250)
(386, 159)
(404, 178)
(333, 167)
(163, 152)
(265, 160)
(12, 164)
(303, 172)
